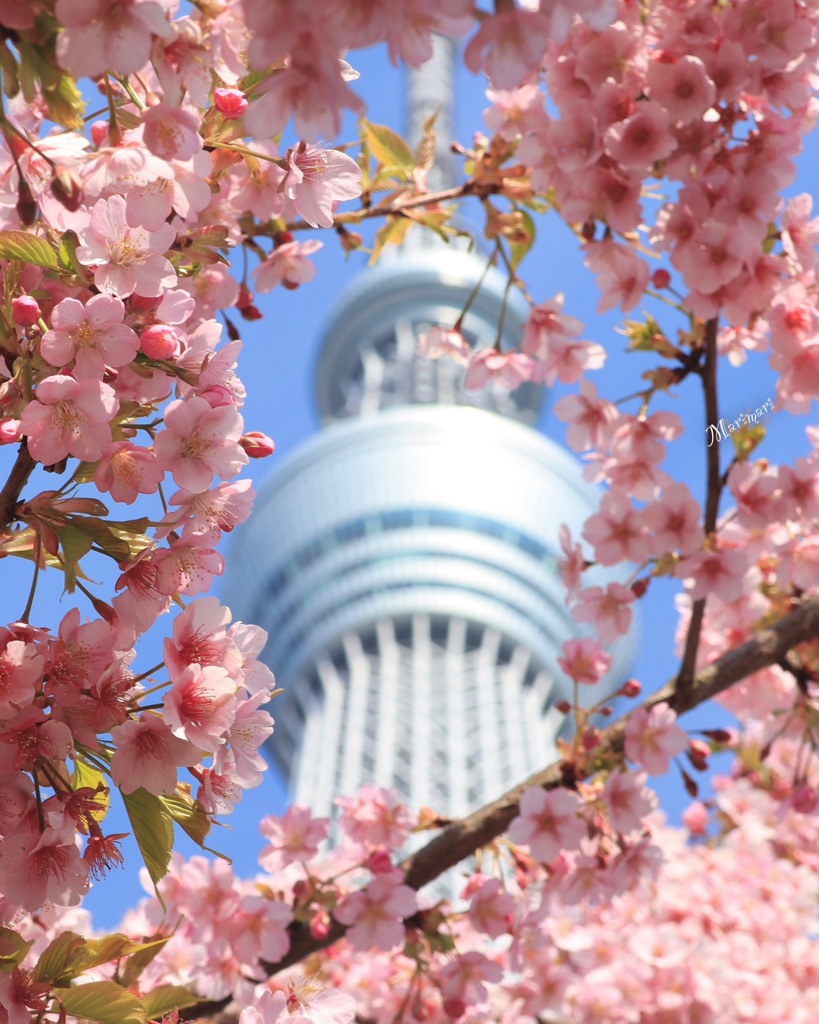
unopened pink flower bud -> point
(661, 278)
(231, 103)
(66, 188)
(257, 445)
(159, 341)
(630, 688)
(563, 706)
(25, 311)
(804, 798)
(591, 739)
(9, 431)
(379, 862)
(698, 753)
(454, 1008)
(320, 925)
(99, 131)
(695, 818)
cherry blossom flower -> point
(257, 929)
(682, 87)
(98, 37)
(250, 728)
(288, 264)
(590, 418)
(444, 341)
(43, 866)
(623, 276)
(491, 910)
(293, 838)
(316, 179)
(583, 660)
(508, 47)
(548, 822)
(723, 573)
(126, 259)
(69, 417)
(171, 133)
(200, 637)
(653, 737)
(464, 976)
(642, 139)
(21, 667)
(800, 235)
(147, 754)
(374, 915)
(270, 1009)
(627, 800)
(573, 563)
(209, 514)
(201, 705)
(617, 532)
(187, 567)
(607, 609)
(376, 818)
(311, 87)
(93, 335)
(200, 442)
(509, 369)
(674, 521)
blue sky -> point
(277, 364)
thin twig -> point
(712, 493)
(396, 208)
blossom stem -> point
(33, 589)
(476, 290)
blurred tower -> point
(404, 560)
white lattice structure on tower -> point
(404, 561)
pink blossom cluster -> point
(713, 100)
(659, 923)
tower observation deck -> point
(403, 561)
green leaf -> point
(58, 961)
(391, 233)
(115, 947)
(122, 541)
(67, 251)
(153, 831)
(137, 962)
(518, 249)
(8, 63)
(425, 150)
(87, 776)
(388, 147)
(28, 248)
(13, 948)
(166, 998)
(70, 955)
(189, 815)
(103, 1001)
(75, 545)
(65, 103)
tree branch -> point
(10, 495)
(462, 838)
(708, 372)
(397, 207)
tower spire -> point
(431, 90)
